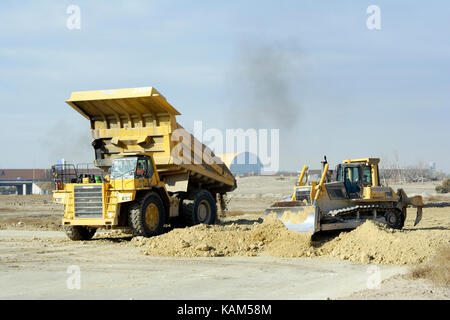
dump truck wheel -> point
(147, 217)
(79, 233)
(202, 210)
(395, 219)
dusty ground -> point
(35, 264)
(29, 213)
(35, 255)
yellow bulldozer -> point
(344, 200)
(149, 170)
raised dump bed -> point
(141, 120)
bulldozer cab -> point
(358, 174)
(350, 175)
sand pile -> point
(375, 243)
(369, 243)
(215, 240)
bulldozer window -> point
(352, 174)
(352, 180)
(340, 173)
(367, 175)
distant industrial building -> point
(242, 164)
(25, 181)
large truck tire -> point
(202, 209)
(146, 216)
(77, 233)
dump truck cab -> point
(135, 172)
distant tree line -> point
(392, 170)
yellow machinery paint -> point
(138, 126)
(352, 198)
(141, 120)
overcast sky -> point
(331, 85)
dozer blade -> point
(300, 218)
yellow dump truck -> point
(151, 171)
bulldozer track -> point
(361, 209)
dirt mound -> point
(375, 243)
(369, 243)
(213, 241)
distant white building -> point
(244, 163)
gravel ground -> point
(34, 257)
